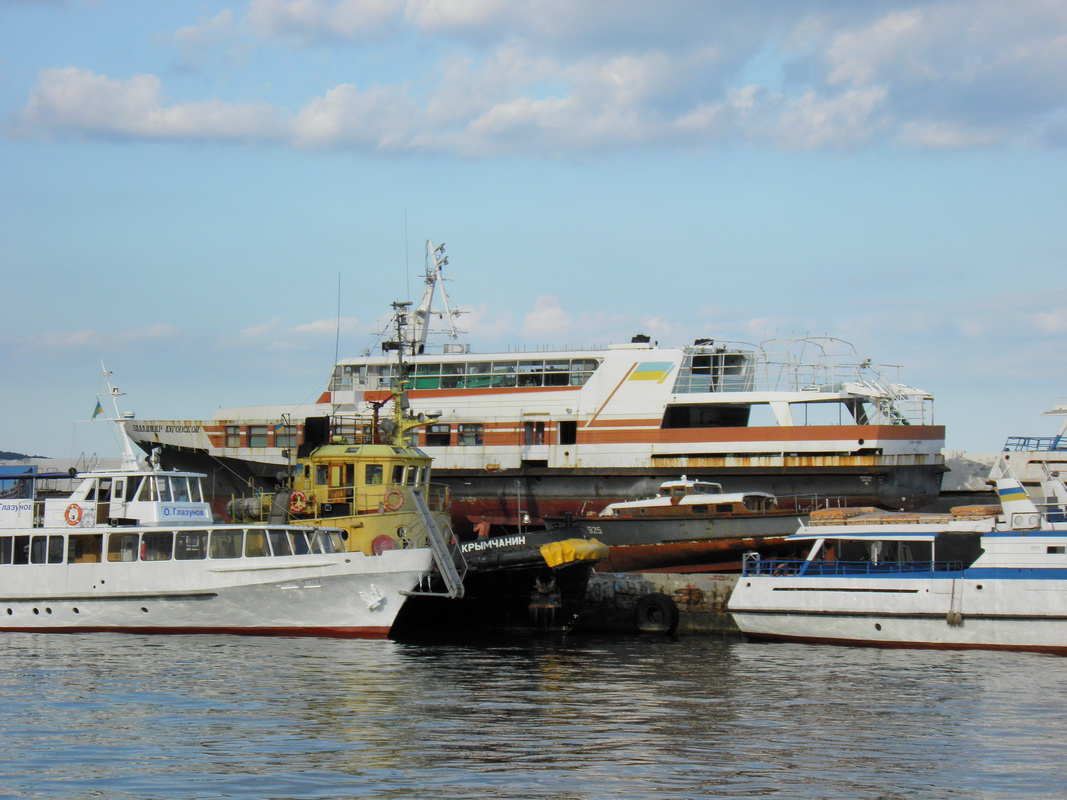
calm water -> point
(109, 716)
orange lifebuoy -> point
(73, 514)
(394, 500)
(298, 502)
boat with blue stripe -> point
(979, 577)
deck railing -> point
(754, 564)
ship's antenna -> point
(337, 338)
(129, 460)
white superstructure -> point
(972, 579)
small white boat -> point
(980, 577)
(135, 550)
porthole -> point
(144, 610)
(48, 611)
(10, 612)
(76, 611)
(878, 626)
(37, 611)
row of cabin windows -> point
(261, 435)
(89, 548)
(155, 488)
(373, 475)
(467, 434)
(470, 375)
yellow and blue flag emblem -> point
(98, 410)
(652, 371)
(1010, 493)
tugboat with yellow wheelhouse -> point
(367, 476)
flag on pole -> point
(98, 410)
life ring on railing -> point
(298, 502)
(394, 500)
(73, 514)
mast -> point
(417, 329)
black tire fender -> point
(656, 613)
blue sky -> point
(183, 186)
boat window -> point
(196, 490)
(470, 433)
(374, 474)
(21, 554)
(190, 545)
(398, 474)
(5, 549)
(724, 508)
(256, 544)
(257, 435)
(299, 541)
(568, 431)
(1056, 550)
(322, 474)
(225, 544)
(325, 542)
(438, 435)
(39, 550)
(162, 489)
(504, 374)
(91, 494)
(233, 435)
(558, 373)
(180, 488)
(122, 546)
(699, 508)
(531, 373)
(285, 436)
(279, 543)
(157, 546)
(132, 485)
(85, 548)
(534, 433)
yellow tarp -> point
(569, 550)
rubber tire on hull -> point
(656, 613)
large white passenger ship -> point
(522, 436)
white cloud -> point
(483, 78)
(77, 100)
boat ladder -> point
(446, 553)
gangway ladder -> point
(445, 554)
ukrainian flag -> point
(1010, 493)
(98, 410)
(652, 371)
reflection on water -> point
(116, 716)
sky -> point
(214, 199)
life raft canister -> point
(298, 502)
(394, 500)
(73, 514)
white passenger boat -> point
(974, 578)
(135, 550)
(519, 437)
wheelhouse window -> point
(279, 543)
(233, 435)
(375, 474)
